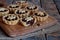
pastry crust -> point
(41, 16)
(22, 12)
(28, 21)
(13, 7)
(3, 11)
(23, 4)
(11, 19)
(32, 8)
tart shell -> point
(41, 19)
(4, 13)
(10, 22)
(13, 9)
(24, 4)
(23, 15)
(24, 23)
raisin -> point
(5, 10)
(35, 13)
(24, 20)
(43, 15)
(38, 24)
(10, 6)
(28, 22)
(12, 19)
(29, 8)
(17, 6)
(26, 11)
(35, 8)
(16, 18)
(17, 12)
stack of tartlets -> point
(23, 13)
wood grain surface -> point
(18, 29)
(49, 6)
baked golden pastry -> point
(32, 8)
(23, 4)
(13, 7)
(22, 12)
(3, 11)
(11, 19)
(28, 21)
(41, 16)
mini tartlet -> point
(11, 19)
(41, 16)
(23, 4)
(13, 7)
(3, 11)
(22, 12)
(28, 21)
(32, 8)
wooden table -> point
(49, 6)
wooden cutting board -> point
(19, 30)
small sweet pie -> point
(11, 19)
(28, 21)
(13, 7)
(23, 4)
(32, 8)
(41, 16)
(22, 12)
(3, 11)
